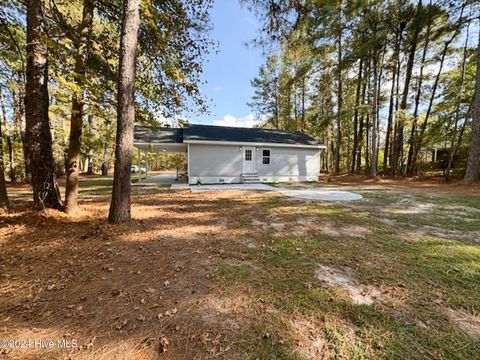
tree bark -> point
(76, 119)
(4, 202)
(456, 142)
(120, 204)
(413, 131)
(339, 92)
(419, 141)
(395, 73)
(355, 116)
(38, 137)
(361, 126)
(472, 173)
(11, 159)
(373, 167)
(397, 151)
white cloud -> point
(218, 88)
(248, 121)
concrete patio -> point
(313, 194)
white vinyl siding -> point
(290, 162)
(224, 163)
(215, 160)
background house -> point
(219, 154)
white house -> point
(220, 154)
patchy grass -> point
(233, 275)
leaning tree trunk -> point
(472, 172)
(76, 120)
(38, 137)
(419, 142)
(457, 140)
(120, 204)
(413, 131)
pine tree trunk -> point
(397, 151)
(472, 172)
(355, 117)
(4, 202)
(411, 141)
(456, 142)
(38, 138)
(105, 159)
(76, 119)
(396, 60)
(374, 156)
(339, 92)
(419, 141)
(120, 204)
(11, 159)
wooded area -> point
(74, 73)
(382, 83)
(385, 84)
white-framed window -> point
(266, 156)
(248, 155)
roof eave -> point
(245, 143)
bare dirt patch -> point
(333, 229)
(347, 280)
(468, 323)
(309, 338)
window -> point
(248, 155)
(266, 156)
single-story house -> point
(221, 154)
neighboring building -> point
(219, 154)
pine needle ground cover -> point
(246, 275)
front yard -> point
(247, 275)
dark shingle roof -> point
(149, 134)
(237, 134)
(161, 135)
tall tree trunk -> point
(105, 159)
(411, 140)
(361, 125)
(4, 202)
(373, 167)
(355, 116)
(396, 61)
(419, 141)
(120, 204)
(456, 142)
(38, 137)
(386, 151)
(339, 91)
(11, 159)
(397, 151)
(76, 119)
(472, 172)
(302, 128)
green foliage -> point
(315, 50)
(173, 42)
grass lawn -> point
(247, 275)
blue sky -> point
(229, 72)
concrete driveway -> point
(314, 194)
(158, 179)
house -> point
(220, 154)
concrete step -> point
(251, 179)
